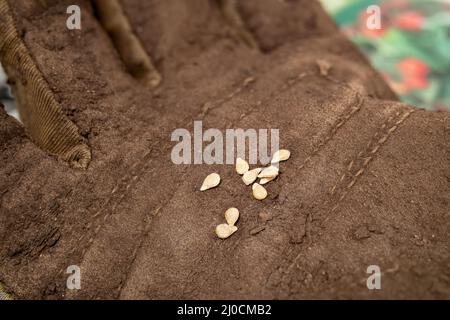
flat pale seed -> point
(241, 166)
(232, 216)
(259, 192)
(281, 155)
(266, 180)
(250, 176)
(224, 230)
(210, 181)
(269, 172)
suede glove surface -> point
(368, 181)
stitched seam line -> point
(366, 156)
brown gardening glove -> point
(90, 181)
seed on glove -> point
(269, 172)
(241, 166)
(232, 216)
(259, 192)
(224, 230)
(281, 155)
(250, 176)
(266, 180)
(210, 181)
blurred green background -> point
(412, 48)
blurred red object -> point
(413, 67)
(410, 21)
(415, 73)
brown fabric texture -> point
(128, 46)
(39, 109)
(368, 182)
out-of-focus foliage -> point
(412, 48)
